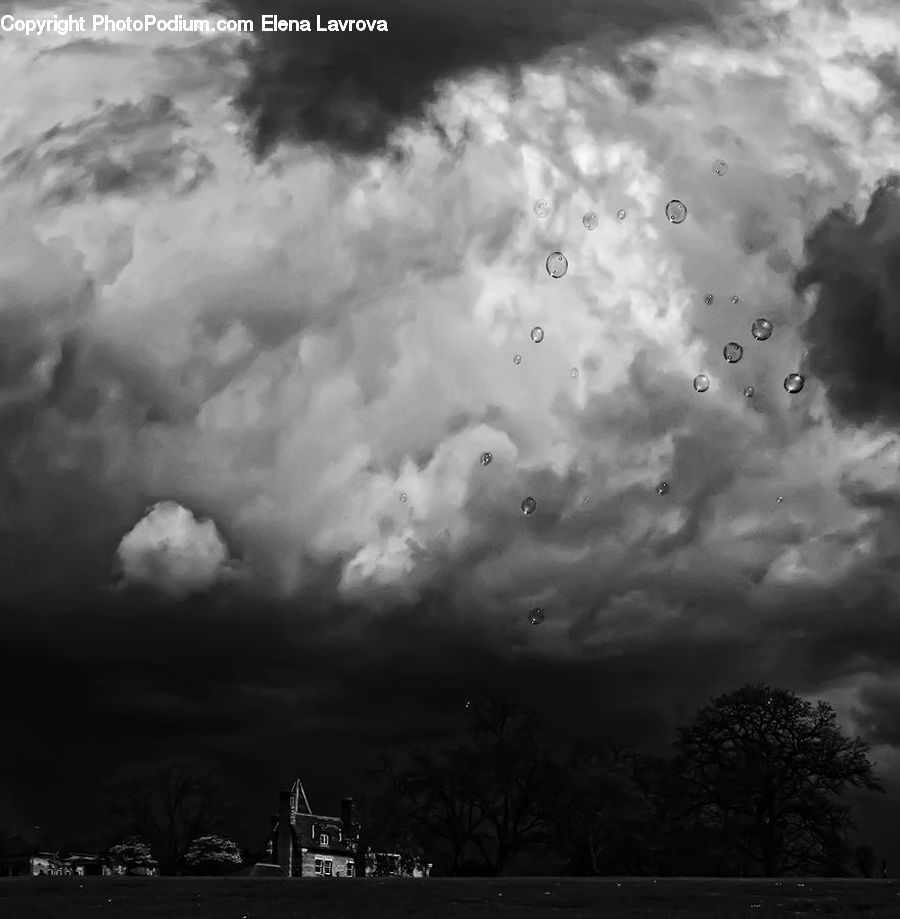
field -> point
(515, 898)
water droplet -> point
(486, 458)
(468, 703)
(749, 392)
(701, 382)
(793, 382)
(557, 264)
(590, 220)
(403, 497)
(585, 500)
(536, 616)
(662, 488)
(735, 299)
(720, 167)
(779, 499)
(517, 359)
(529, 506)
(708, 299)
(537, 334)
(676, 211)
(761, 329)
(620, 213)
(574, 373)
(732, 352)
(542, 208)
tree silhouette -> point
(132, 854)
(488, 795)
(170, 807)
(603, 818)
(764, 770)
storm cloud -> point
(311, 351)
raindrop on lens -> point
(708, 299)
(486, 458)
(749, 392)
(403, 497)
(574, 373)
(517, 359)
(676, 211)
(701, 382)
(590, 220)
(779, 499)
(537, 334)
(793, 383)
(761, 329)
(557, 264)
(662, 488)
(735, 299)
(536, 616)
(720, 167)
(620, 213)
(732, 352)
(529, 506)
(541, 208)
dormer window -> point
(323, 839)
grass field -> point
(515, 898)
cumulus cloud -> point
(172, 551)
(293, 342)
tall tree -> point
(213, 855)
(170, 806)
(765, 770)
(604, 819)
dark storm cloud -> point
(119, 149)
(853, 333)
(351, 89)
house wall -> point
(338, 861)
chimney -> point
(285, 834)
(348, 817)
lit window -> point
(328, 868)
(349, 869)
(323, 840)
(318, 866)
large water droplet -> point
(708, 299)
(621, 213)
(536, 616)
(537, 334)
(486, 458)
(701, 382)
(793, 382)
(529, 506)
(557, 264)
(590, 220)
(662, 488)
(732, 352)
(574, 373)
(749, 392)
(403, 497)
(542, 208)
(761, 329)
(779, 499)
(720, 167)
(517, 359)
(735, 299)
(676, 211)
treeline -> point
(754, 787)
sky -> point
(261, 297)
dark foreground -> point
(514, 898)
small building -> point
(305, 844)
(42, 863)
